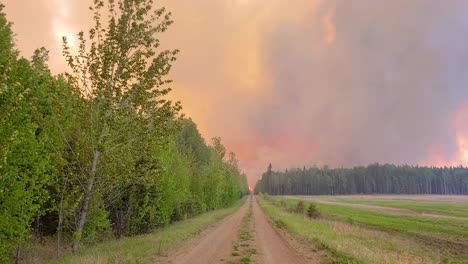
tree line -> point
(99, 151)
(373, 179)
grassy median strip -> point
(145, 248)
(242, 250)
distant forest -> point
(373, 179)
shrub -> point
(312, 211)
(97, 228)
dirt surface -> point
(215, 245)
(272, 247)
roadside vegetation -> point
(361, 236)
(148, 248)
(99, 152)
(243, 249)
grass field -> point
(362, 230)
(443, 208)
(147, 248)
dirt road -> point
(272, 247)
(216, 244)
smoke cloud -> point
(315, 82)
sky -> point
(304, 82)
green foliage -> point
(98, 226)
(312, 211)
(28, 168)
(190, 142)
(121, 76)
(246, 260)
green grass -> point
(146, 248)
(351, 243)
(246, 260)
(409, 224)
(444, 208)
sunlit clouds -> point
(60, 21)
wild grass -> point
(444, 208)
(408, 224)
(146, 248)
(351, 243)
(455, 229)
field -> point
(379, 229)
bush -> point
(312, 211)
(97, 228)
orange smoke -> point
(462, 143)
(329, 27)
(460, 157)
(461, 126)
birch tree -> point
(120, 72)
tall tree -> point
(121, 76)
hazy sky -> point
(305, 82)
